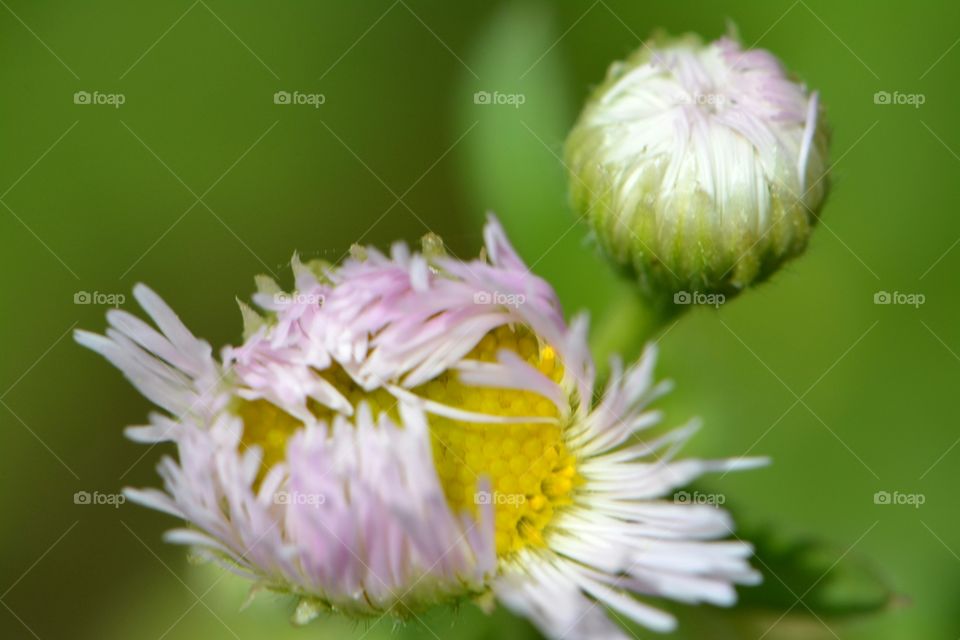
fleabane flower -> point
(700, 167)
(405, 430)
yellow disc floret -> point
(267, 426)
(530, 470)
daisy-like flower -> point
(700, 167)
(408, 430)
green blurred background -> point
(199, 181)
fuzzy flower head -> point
(700, 167)
(405, 430)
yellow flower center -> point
(530, 469)
(531, 472)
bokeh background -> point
(199, 181)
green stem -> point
(627, 324)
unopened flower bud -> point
(700, 167)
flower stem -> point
(626, 326)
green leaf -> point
(830, 580)
(834, 585)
